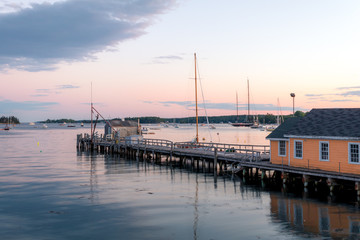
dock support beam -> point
(215, 161)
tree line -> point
(10, 120)
(263, 119)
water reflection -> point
(307, 216)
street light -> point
(293, 96)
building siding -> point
(338, 156)
(275, 158)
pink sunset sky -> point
(138, 56)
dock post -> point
(305, 180)
(171, 151)
(215, 160)
(357, 188)
(263, 174)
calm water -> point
(50, 191)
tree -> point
(299, 114)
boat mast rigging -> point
(196, 107)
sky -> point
(135, 58)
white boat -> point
(44, 126)
(82, 124)
(32, 124)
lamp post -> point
(293, 96)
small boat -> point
(82, 124)
(71, 125)
(44, 126)
(212, 127)
(32, 124)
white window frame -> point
(284, 155)
(320, 151)
(302, 149)
(349, 152)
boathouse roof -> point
(283, 128)
(336, 123)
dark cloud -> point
(9, 106)
(39, 37)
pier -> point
(251, 161)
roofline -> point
(278, 139)
(323, 137)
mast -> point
(196, 108)
(91, 113)
(248, 115)
(237, 107)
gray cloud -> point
(9, 106)
(39, 37)
(350, 93)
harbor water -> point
(49, 190)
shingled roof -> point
(326, 122)
(283, 128)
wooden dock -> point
(246, 160)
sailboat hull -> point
(243, 124)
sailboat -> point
(247, 123)
(7, 126)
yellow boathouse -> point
(325, 139)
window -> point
(298, 149)
(282, 148)
(324, 151)
(353, 152)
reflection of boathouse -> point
(316, 218)
(325, 139)
(121, 128)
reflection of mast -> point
(196, 107)
(196, 213)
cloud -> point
(43, 35)
(166, 59)
(9, 106)
(39, 95)
(345, 88)
(350, 93)
(343, 100)
(68, 86)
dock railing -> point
(233, 151)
